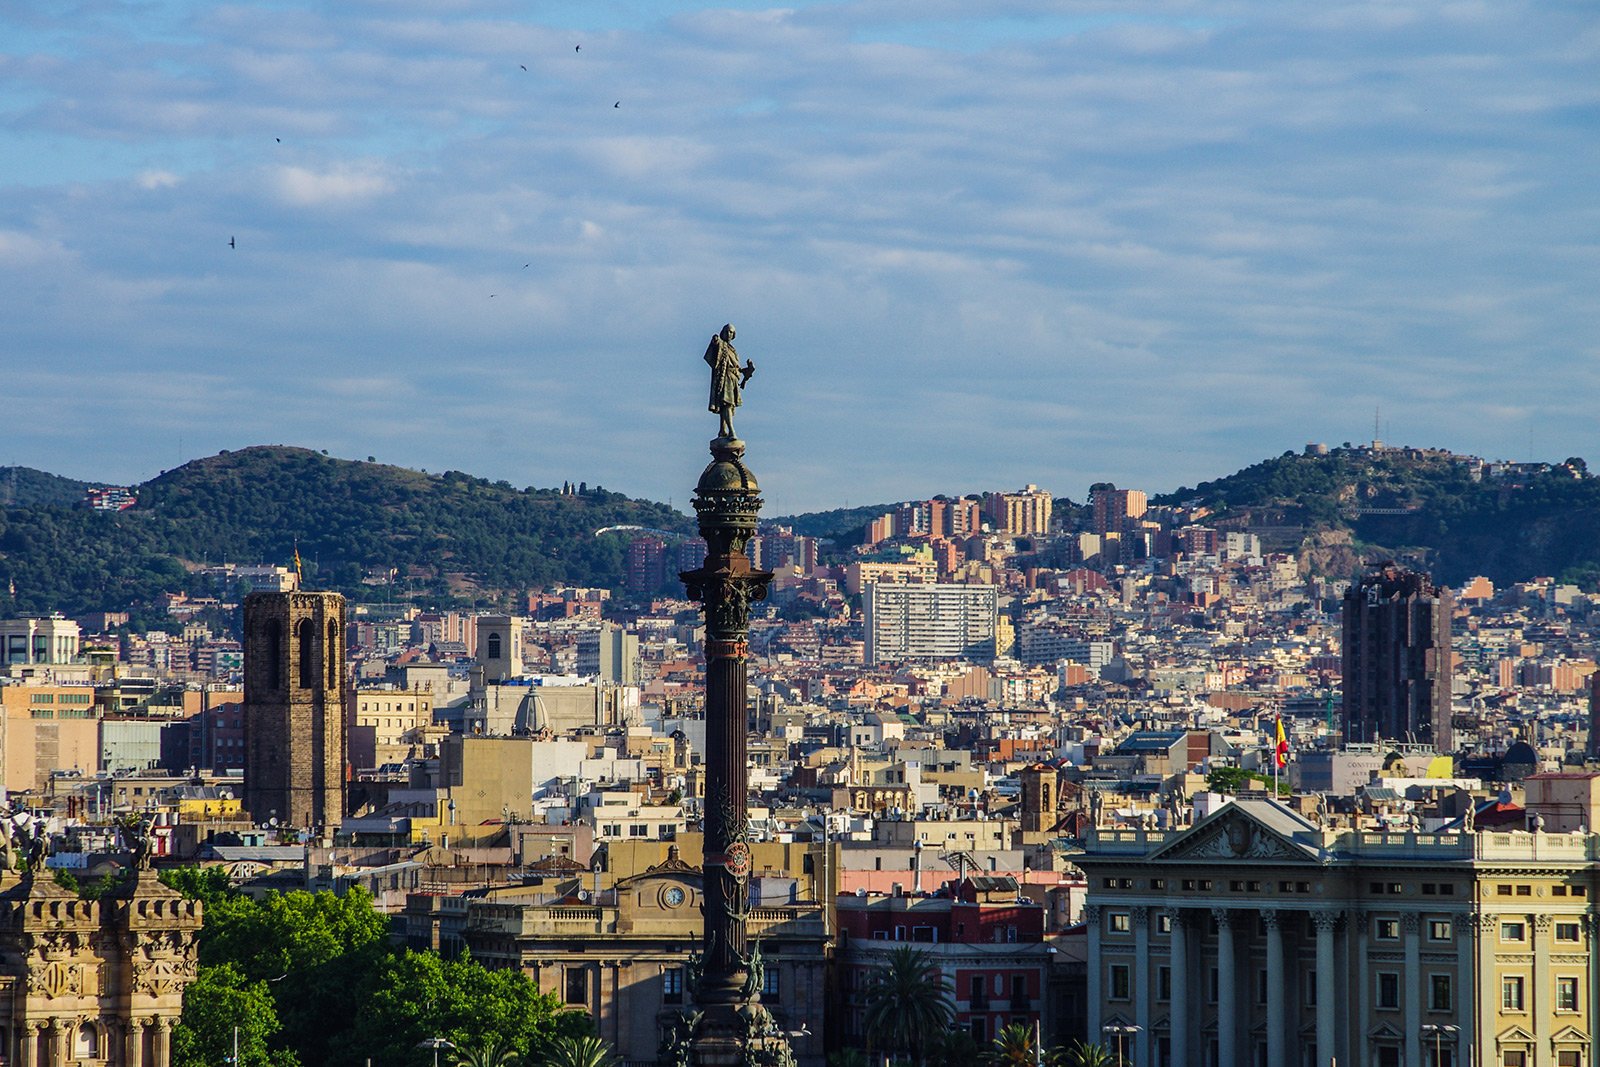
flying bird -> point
(278, 139)
(525, 266)
(577, 48)
(231, 244)
(617, 104)
(524, 66)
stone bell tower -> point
(294, 709)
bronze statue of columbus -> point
(728, 379)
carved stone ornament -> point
(56, 979)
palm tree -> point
(908, 1002)
(1012, 1047)
(490, 1052)
(1083, 1054)
(579, 1051)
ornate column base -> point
(726, 1035)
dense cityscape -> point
(1140, 606)
(1087, 780)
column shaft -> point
(1326, 1052)
(1091, 922)
(1143, 992)
(1227, 982)
(1179, 1014)
(1411, 988)
(1277, 986)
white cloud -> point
(340, 184)
(1087, 238)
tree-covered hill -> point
(24, 486)
(448, 534)
(1455, 514)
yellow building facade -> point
(1256, 936)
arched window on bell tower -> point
(494, 646)
(331, 651)
(274, 654)
(305, 637)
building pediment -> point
(1569, 1035)
(1244, 830)
(1514, 1035)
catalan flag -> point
(299, 575)
(1281, 753)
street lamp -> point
(1121, 1030)
(1439, 1031)
(435, 1043)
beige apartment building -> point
(1258, 937)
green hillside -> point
(1448, 513)
(25, 487)
(449, 535)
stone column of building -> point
(1593, 969)
(28, 1045)
(1178, 1020)
(161, 1043)
(1488, 1002)
(1411, 988)
(1277, 986)
(133, 1044)
(1541, 998)
(1466, 983)
(1145, 991)
(727, 501)
(1227, 989)
(1091, 924)
(1325, 922)
(1358, 936)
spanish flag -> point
(1281, 753)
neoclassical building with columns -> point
(1256, 937)
(92, 982)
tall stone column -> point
(1488, 1003)
(1411, 987)
(133, 1043)
(1227, 982)
(1179, 1013)
(1143, 991)
(1325, 922)
(727, 501)
(161, 1042)
(28, 1045)
(1091, 925)
(1541, 998)
(1277, 985)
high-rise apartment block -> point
(1021, 514)
(1115, 510)
(610, 654)
(929, 622)
(1397, 659)
(294, 708)
(647, 565)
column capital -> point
(1541, 923)
(1325, 920)
(1411, 923)
(1223, 917)
(1091, 913)
(1180, 917)
(1272, 918)
(1141, 915)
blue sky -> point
(1052, 242)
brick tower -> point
(294, 709)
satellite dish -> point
(583, 895)
(272, 822)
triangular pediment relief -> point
(1232, 833)
(1384, 1032)
(1514, 1035)
(1569, 1035)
